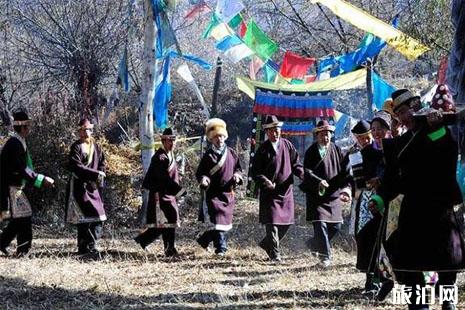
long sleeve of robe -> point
(335, 169)
(83, 187)
(162, 181)
(277, 205)
(219, 195)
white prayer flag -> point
(227, 9)
(238, 52)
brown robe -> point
(277, 205)
(219, 196)
(162, 181)
(335, 169)
(83, 198)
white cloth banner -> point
(238, 52)
(186, 75)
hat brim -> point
(324, 128)
(168, 137)
(88, 126)
(405, 101)
(273, 125)
(22, 123)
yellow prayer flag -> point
(281, 80)
(337, 115)
(221, 31)
(406, 45)
(350, 80)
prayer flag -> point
(197, 11)
(238, 52)
(123, 72)
(255, 65)
(228, 42)
(228, 9)
(259, 42)
(295, 66)
(406, 45)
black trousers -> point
(151, 234)
(323, 234)
(412, 279)
(273, 237)
(218, 237)
(88, 234)
(21, 229)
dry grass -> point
(126, 277)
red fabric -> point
(295, 66)
(442, 71)
(310, 78)
(242, 29)
(198, 10)
(292, 112)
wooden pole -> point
(370, 89)
(216, 86)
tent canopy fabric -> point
(342, 82)
(292, 106)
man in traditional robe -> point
(163, 182)
(421, 165)
(16, 170)
(219, 172)
(328, 189)
(368, 234)
(276, 162)
(84, 205)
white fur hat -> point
(215, 126)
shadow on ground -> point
(18, 293)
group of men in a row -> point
(422, 234)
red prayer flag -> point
(310, 78)
(442, 70)
(198, 10)
(295, 66)
(242, 29)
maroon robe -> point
(219, 196)
(14, 173)
(428, 236)
(83, 199)
(277, 205)
(162, 181)
(334, 168)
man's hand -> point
(205, 182)
(323, 185)
(269, 185)
(372, 207)
(49, 182)
(434, 118)
(237, 178)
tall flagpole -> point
(150, 69)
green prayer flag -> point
(270, 73)
(214, 21)
(235, 21)
(297, 82)
(259, 42)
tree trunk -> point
(146, 97)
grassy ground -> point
(127, 277)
